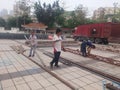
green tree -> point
(69, 22)
(11, 22)
(116, 17)
(80, 14)
(49, 14)
(23, 9)
(20, 20)
(60, 20)
(101, 15)
(17, 21)
(77, 17)
(2, 22)
(90, 21)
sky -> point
(69, 4)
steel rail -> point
(96, 57)
(70, 62)
(53, 74)
(48, 70)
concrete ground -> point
(19, 73)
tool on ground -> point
(19, 49)
(41, 60)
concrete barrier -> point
(19, 36)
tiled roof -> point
(35, 25)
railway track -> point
(80, 65)
(111, 47)
(69, 63)
(96, 57)
(45, 68)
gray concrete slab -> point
(18, 72)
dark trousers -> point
(83, 50)
(56, 58)
(84, 54)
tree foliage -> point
(77, 17)
(49, 14)
(22, 19)
(22, 12)
(116, 16)
(22, 8)
(2, 22)
(18, 21)
(11, 22)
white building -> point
(106, 11)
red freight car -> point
(115, 33)
(98, 33)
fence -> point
(20, 36)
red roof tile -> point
(35, 25)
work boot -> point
(57, 66)
(29, 55)
(51, 65)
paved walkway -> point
(19, 73)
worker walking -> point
(33, 44)
(57, 45)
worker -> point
(57, 45)
(89, 47)
(33, 44)
(83, 48)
